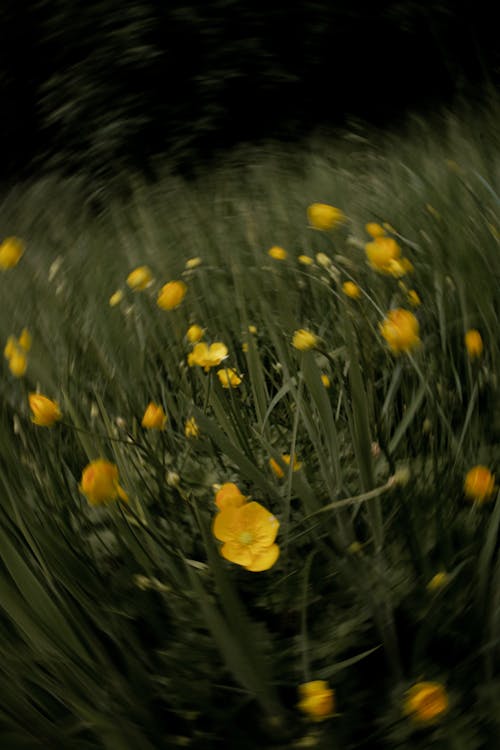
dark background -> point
(103, 86)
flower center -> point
(246, 537)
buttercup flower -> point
(140, 278)
(351, 290)
(191, 429)
(11, 250)
(154, 417)
(278, 253)
(18, 364)
(479, 484)
(229, 496)
(10, 347)
(286, 459)
(228, 378)
(324, 217)
(317, 700)
(325, 380)
(426, 702)
(116, 298)
(99, 483)
(399, 267)
(304, 340)
(252, 329)
(473, 343)
(207, 356)
(381, 251)
(248, 533)
(194, 334)
(400, 329)
(306, 260)
(25, 340)
(413, 298)
(171, 295)
(45, 411)
(193, 263)
(438, 581)
(374, 230)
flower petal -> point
(237, 553)
(265, 559)
(227, 524)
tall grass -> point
(122, 626)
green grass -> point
(122, 627)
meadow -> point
(249, 433)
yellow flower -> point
(473, 343)
(25, 340)
(116, 298)
(252, 329)
(18, 363)
(278, 253)
(479, 484)
(99, 483)
(154, 417)
(248, 533)
(324, 217)
(193, 263)
(413, 298)
(381, 251)
(400, 329)
(399, 267)
(229, 496)
(228, 378)
(374, 230)
(317, 700)
(438, 581)
(194, 334)
(426, 702)
(171, 295)
(45, 411)
(207, 356)
(306, 260)
(286, 460)
(140, 278)
(325, 380)
(351, 290)
(191, 429)
(304, 340)
(10, 347)
(11, 250)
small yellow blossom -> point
(228, 377)
(154, 417)
(438, 581)
(99, 483)
(10, 347)
(286, 460)
(248, 533)
(191, 429)
(45, 411)
(398, 267)
(473, 343)
(25, 340)
(252, 329)
(194, 334)
(304, 340)
(229, 496)
(278, 253)
(381, 251)
(325, 380)
(323, 260)
(11, 250)
(317, 700)
(479, 484)
(374, 230)
(244, 347)
(116, 298)
(324, 217)
(207, 356)
(193, 263)
(413, 298)
(18, 364)
(426, 702)
(306, 260)
(400, 329)
(171, 295)
(351, 290)
(140, 278)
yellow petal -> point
(236, 553)
(260, 521)
(226, 524)
(265, 559)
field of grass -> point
(122, 626)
